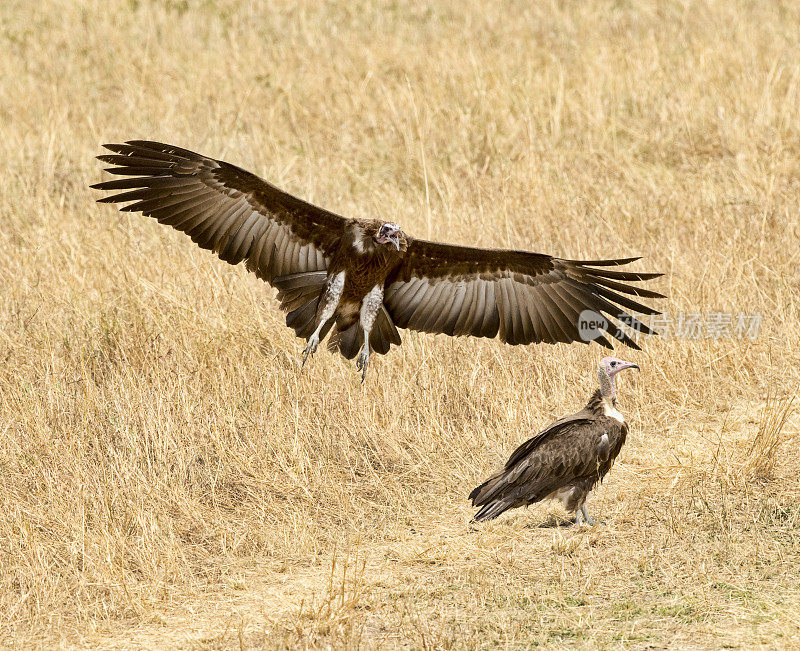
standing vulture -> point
(565, 460)
(365, 277)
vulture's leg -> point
(577, 502)
(369, 310)
(588, 518)
(327, 308)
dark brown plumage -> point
(565, 460)
(389, 279)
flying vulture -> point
(565, 460)
(364, 278)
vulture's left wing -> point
(561, 453)
(223, 208)
(525, 297)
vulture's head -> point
(608, 368)
(389, 234)
(612, 365)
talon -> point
(582, 517)
(311, 348)
(589, 519)
(362, 361)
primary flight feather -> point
(364, 278)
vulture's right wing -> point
(524, 297)
(223, 208)
(552, 430)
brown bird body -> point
(366, 278)
(365, 263)
(565, 460)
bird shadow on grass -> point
(552, 522)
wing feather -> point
(523, 298)
(568, 310)
(179, 202)
(266, 255)
(507, 312)
(454, 309)
(229, 221)
(549, 329)
(465, 308)
(281, 244)
(450, 298)
(417, 293)
(534, 313)
(425, 317)
(239, 244)
(475, 309)
(516, 293)
(490, 322)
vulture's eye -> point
(613, 364)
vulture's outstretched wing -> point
(525, 297)
(223, 208)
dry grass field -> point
(169, 477)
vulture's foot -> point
(362, 361)
(589, 520)
(311, 347)
(582, 517)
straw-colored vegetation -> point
(169, 475)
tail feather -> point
(491, 510)
(296, 289)
(296, 298)
(303, 319)
(474, 496)
(301, 280)
(384, 333)
(348, 341)
(483, 496)
(498, 494)
(299, 295)
(493, 489)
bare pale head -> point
(389, 233)
(607, 369)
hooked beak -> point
(623, 366)
(393, 238)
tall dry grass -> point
(170, 477)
